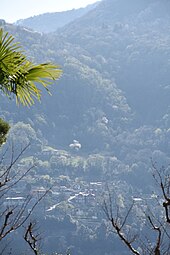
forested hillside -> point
(107, 117)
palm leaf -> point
(19, 76)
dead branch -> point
(117, 226)
(13, 217)
(158, 242)
(5, 177)
(16, 217)
(31, 238)
(163, 180)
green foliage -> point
(4, 128)
(19, 76)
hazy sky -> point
(12, 10)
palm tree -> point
(19, 76)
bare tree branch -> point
(115, 222)
(157, 222)
(164, 183)
(13, 217)
(31, 238)
(158, 242)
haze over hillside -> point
(115, 67)
(50, 22)
(109, 113)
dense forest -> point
(107, 120)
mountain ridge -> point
(51, 21)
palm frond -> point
(19, 76)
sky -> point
(13, 10)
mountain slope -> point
(85, 105)
(130, 37)
(49, 22)
(114, 92)
(109, 114)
